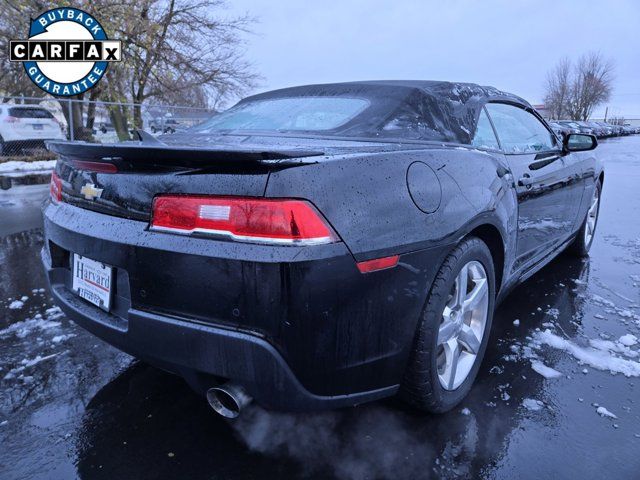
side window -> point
(485, 136)
(519, 131)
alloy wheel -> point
(592, 218)
(462, 327)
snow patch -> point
(532, 404)
(603, 412)
(628, 340)
(18, 166)
(26, 327)
(597, 356)
(62, 338)
(542, 369)
(16, 305)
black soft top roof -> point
(421, 109)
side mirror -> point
(579, 142)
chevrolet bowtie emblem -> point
(90, 191)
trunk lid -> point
(186, 163)
(139, 171)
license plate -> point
(92, 281)
(38, 126)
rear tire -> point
(584, 238)
(429, 383)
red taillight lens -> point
(55, 188)
(11, 119)
(100, 167)
(247, 219)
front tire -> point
(584, 238)
(454, 330)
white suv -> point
(26, 126)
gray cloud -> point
(507, 44)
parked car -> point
(608, 130)
(581, 127)
(319, 246)
(166, 125)
(26, 127)
(598, 130)
(560, 130)
(585, 127)
(570, 125)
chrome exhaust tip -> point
(228, 399)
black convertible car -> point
(319, 246)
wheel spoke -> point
(470, 340)
(446, 332)
(452, 355)
(461, 285)
(476, 295)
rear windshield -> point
(288, 114)
(381, 111)
(30, 113)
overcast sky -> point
(504, 43)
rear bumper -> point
(16, 136)
(199, 352)
(299, 328)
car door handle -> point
(526, 181)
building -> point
(542, 110)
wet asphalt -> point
(71, 406)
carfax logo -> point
(67, 52)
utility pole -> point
(606, 111)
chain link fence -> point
(26, 123)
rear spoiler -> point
(148, 154)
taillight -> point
(281, 221)
(55, 188)
(100, 167)
(10, 119)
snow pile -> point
(36, 324)
(54, 313)
(599, 355)
(16, 305)
(628, 340)
(602, 302)
(532, 404)
(542, 369)
(603, 412)
(62, 338)
(18, 166)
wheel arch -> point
(491, 236)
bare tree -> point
(177, 51)
(174, 46)
(592, 85)
(575, 90)
(558, 87)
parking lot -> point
(557, 395)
